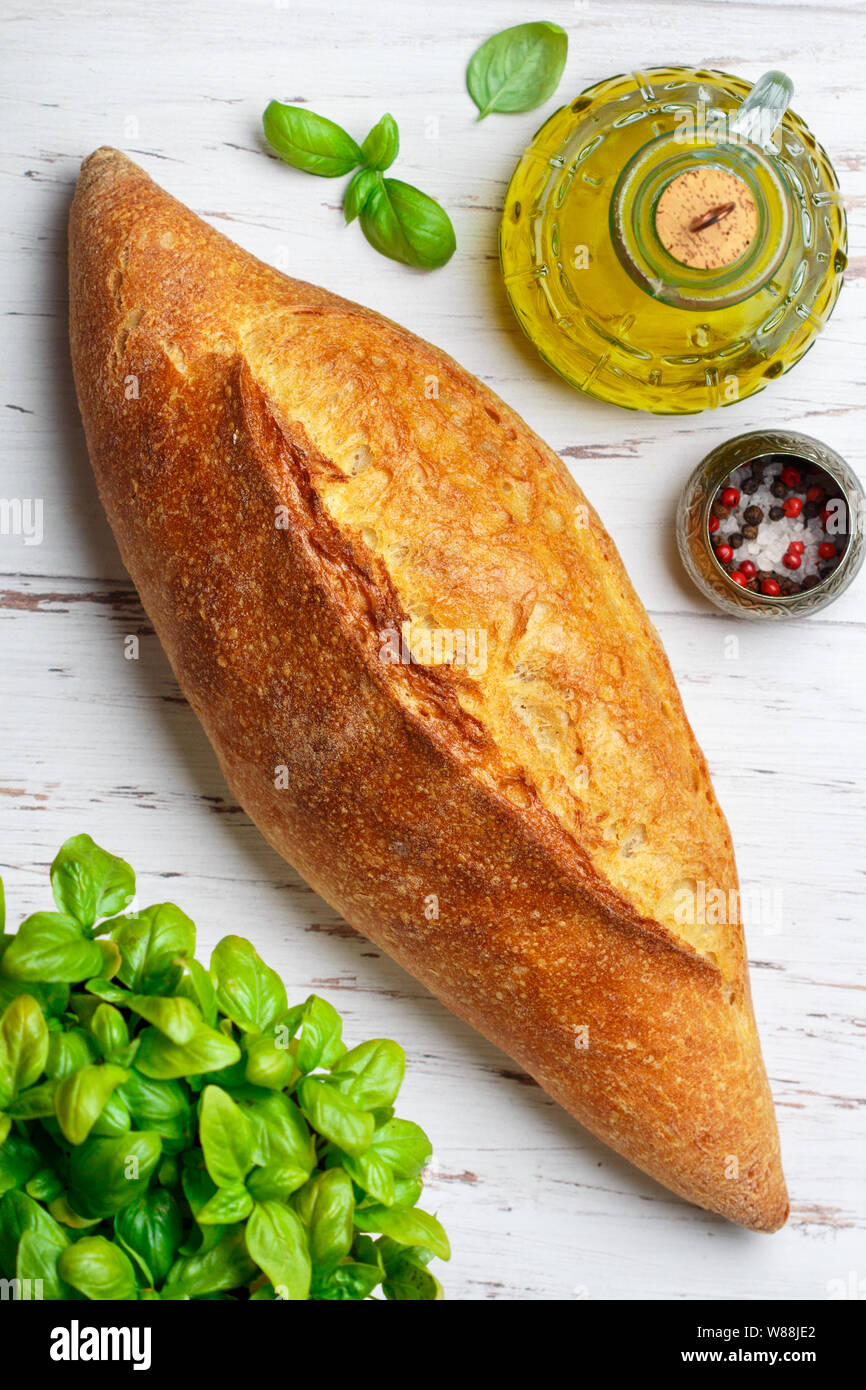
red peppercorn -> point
(769, 586)
(797, 547)
(825, 517)
(739, 578)
(791, 561)
(790, 477)
(713, 524)
(724, 553)
(816, 494)
(792, 506)
(748, 568)
(730, 497)
(827, 550)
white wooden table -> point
(536, 1208)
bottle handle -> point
(763, 109)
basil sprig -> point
(170, 1131)
(517, 69)
(397, 219)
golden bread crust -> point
(290, 477)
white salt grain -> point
(774, 537)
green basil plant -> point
(171, 1131)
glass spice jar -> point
(839, 510)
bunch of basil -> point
(174, 1132)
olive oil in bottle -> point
(675, 239)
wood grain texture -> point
(535, 1207)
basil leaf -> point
(404, 1146)
(276, 1181)
(402, 222)
(409, 1281)
(320, 1038)
(19, 1213)
(150, 1229)
(151, 942)
(79, 1099)
(359, 190)
(99, 1269)
(161, 1106)
(309, 142)
(23, 1041)
(178, 1019)
(51, 998)
(226, 1265)
(108, 1027)
(34, 1103)
(406, 1226)
(67, 1052)
(349, 1281)
(88, 882)
(226, 1207)
(103, 989)
(372, 1174)
(382, 145)
(268, 1064)
(335, 1116)
(281, 1134)
(248, 991)
(206, 1051)
(517, 69)
(37, 1259)
(114, 1118)
(197, 985)
(61, 1210)
(226, 1137)
(197, 1185)
(18, 1163)
(107, 1174)
(49, 946)
(372, 1073)
(327, 1207)
(44, 1186)
(277, 1242)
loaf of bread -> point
(427, 678)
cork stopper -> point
(706, 218)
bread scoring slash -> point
(314, 505)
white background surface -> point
(535, 1207)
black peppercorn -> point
(811, 509)
(751, 484)
(778, 489)
(776, 513)
(750, 533)
(753, 515)
(719, 511)
(811, 581)
(735, 540)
